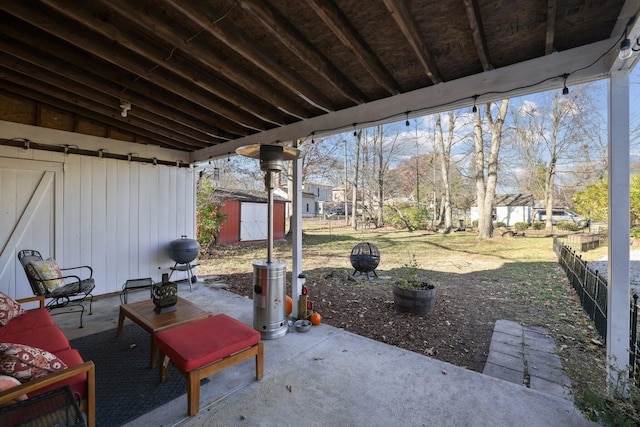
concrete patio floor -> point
(330, 377)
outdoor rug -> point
(126, 387)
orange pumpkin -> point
(315, 319)
(288, 305)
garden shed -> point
(246, 216)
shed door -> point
(30, 218)
(253, 221)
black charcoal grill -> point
(183, 251)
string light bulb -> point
(475, 109)
(355, 133)
(565, 89)
(407, 122)
(625, 46)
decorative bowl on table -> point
(302, 325)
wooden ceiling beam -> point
(479, 39)
(225, 31)
(552, 7)
(110, 25)
(141, 93)
(34, 94)
(154, 22)
(107, 103)
(276, 23)
(333, 17)
(402, 16)
(37, 16)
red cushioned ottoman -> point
(201, 348)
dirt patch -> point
(457, 331)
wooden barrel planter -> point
(419, 302)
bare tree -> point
(486, 186)
(557, 129)
(354, 184)
(445, 167)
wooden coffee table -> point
(142, 314)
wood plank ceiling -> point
(200, 74)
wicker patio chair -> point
(73, 289)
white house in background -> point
(314, 195)
(509, 209)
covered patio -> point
(106, 107)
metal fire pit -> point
(365, 258)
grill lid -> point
(183, 250)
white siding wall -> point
(115, 216)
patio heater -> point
(269, 291)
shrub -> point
(418, 218)
(635, 233)
(568, 226)
(209, 217)
(499, 224)
(474, 223)
(538, 225)
(520, 226)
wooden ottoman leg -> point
(193, 392)
(164, 366)
(260, 361)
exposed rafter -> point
(479, 40)
(401, 14)
(291, 37)
(111, 27)
(342, 28)
(551, 26)
(235, 38)
(159, 25)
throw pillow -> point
(27, 363)
(9, 309)
(7, 382)
(49, 271)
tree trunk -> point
(356, 172)
(445, 165)
(553, 160)
(380, 221)
(483, 231)
(492, 167)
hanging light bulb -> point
(126, 106)
(407, 122)
(625, 47)
(475, 109)
(565, 89)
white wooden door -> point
(253, 221)
(30, 216)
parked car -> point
(560, 215)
